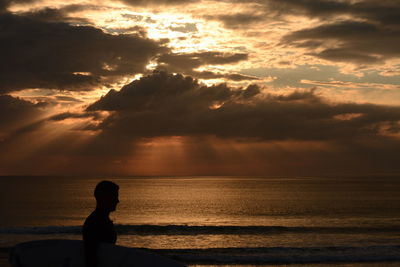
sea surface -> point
(220, 221)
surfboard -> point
(69, 253)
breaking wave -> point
(285, 255)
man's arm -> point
(90, 243)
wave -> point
(198, 230)
(284, 255)
(279, 255)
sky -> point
(198, 87)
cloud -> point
(67, 99)
(348, 41)
(184, 27)
(186, 63)
(40, 54)
(5, 4)
(158, 2)
(62, 14)
(239, 77)
(238, 20)
(353, 85)
(219, 129)
(361, 32)
(173, 105)
(385, 12)
(160, 88)
(308, 7)
(206, 75)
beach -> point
(4, 259)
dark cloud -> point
(168, 105)
(158, 2)
(362, 32)
(348, 54)
(182, 61)
(40, 54)
(238, 20)
(385, 11)
(308, 7)
(359, 42)
(265, 10)
(227, 76)
(371, 35)
(67, 99)
(186, 63)
(185, 28)
(62, 14)
(162, 88)
(5, 4)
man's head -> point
(106, 194)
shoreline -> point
(4, 263)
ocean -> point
(220, 221)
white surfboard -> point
(69, 253)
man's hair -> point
(105, 188)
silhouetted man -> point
(98, 227)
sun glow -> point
(157, 156)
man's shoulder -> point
(91, 218)
(96, 218)
(92, 221)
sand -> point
(4, 260)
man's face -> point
(114, 201)
(110, 201)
